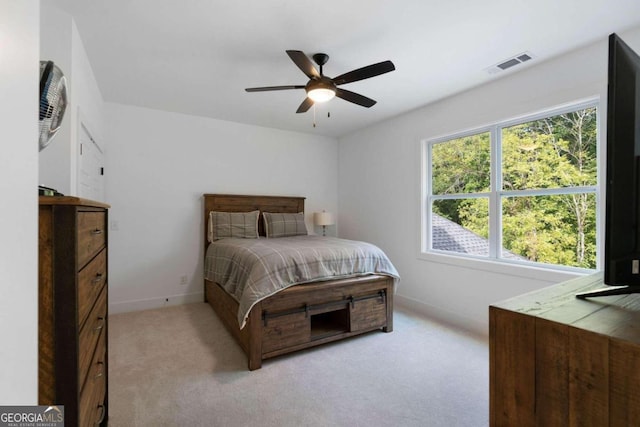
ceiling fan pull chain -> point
(314, 115)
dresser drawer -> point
(91, 279)
(92, 409)
(90, 333)
(92, 229)
(98, 365)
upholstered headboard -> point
(244, 203)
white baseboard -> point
(151, 303)
(447, 317)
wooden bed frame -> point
(301, 316)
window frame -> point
(494, 261)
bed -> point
(300, 315)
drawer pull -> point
(103, 412)
(97, 279)
(101, 373)
(101, 325)
(96, 231)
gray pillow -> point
(243, 225)
(284, 224)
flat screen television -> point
(622, 207)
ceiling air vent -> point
(511, 62)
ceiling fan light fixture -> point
(320, 90)
(321, 94)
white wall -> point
(379, 178)
(158, 167)
(87, 104)
(61, 43)
(19, 55)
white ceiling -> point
(197, 56)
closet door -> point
(90, 166)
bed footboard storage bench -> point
(289, 324)
(307, 315)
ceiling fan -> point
(321, 88)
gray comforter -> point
(253, 269)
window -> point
(522, 191)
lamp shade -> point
(323, 218)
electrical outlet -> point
(183, 280)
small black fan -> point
(53, 101)
(321, 88)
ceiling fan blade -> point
(304, 107)
(356, 98)
(365, 72)
(266, 88)
(304, 63)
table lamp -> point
(323, 218)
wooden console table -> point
(556, 360)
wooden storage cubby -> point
(329, 321)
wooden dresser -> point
(556, 360)
(72, 324)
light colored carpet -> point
(178, 366)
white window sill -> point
(504, 267)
